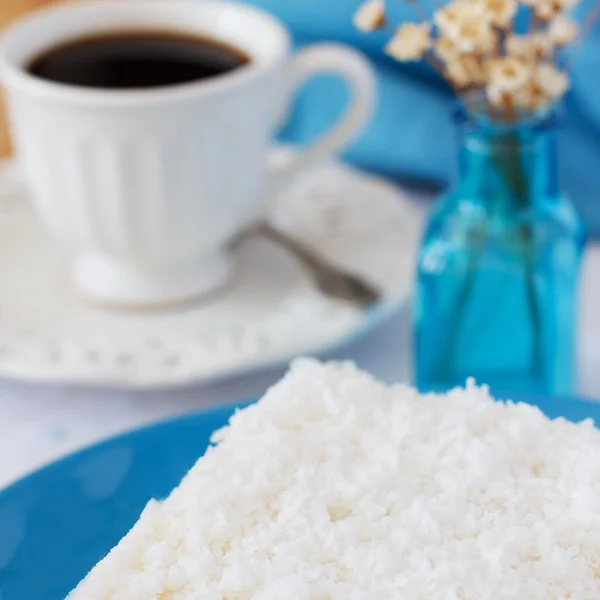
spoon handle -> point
(331, 280)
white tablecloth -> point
(40, 423)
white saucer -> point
(269, 313)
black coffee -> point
(133, 60)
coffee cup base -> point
(110, 283)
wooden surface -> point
(9, 10)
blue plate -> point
(57, 523)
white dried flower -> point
(477, 35)
(541, 44)
(467, 25)
(370, 16)
(410, 41)
(507, 77)
(448, 19)
(457, 74)
(527, 99)
(551, 82)
(496, 97)
(529, 47)
(546, 10)
(446, 50)
(508, 73)
(562, 30)
(519, 45)
(465, 71)
(500, 99)
(531, 99)
(501, 12)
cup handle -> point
(355, 70)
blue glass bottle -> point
(499, 266)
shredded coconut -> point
(335, 486)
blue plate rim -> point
(64, 461)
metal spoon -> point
(329, 279)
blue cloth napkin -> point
(412, 135)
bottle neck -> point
(507, 168)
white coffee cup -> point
(145, 188)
